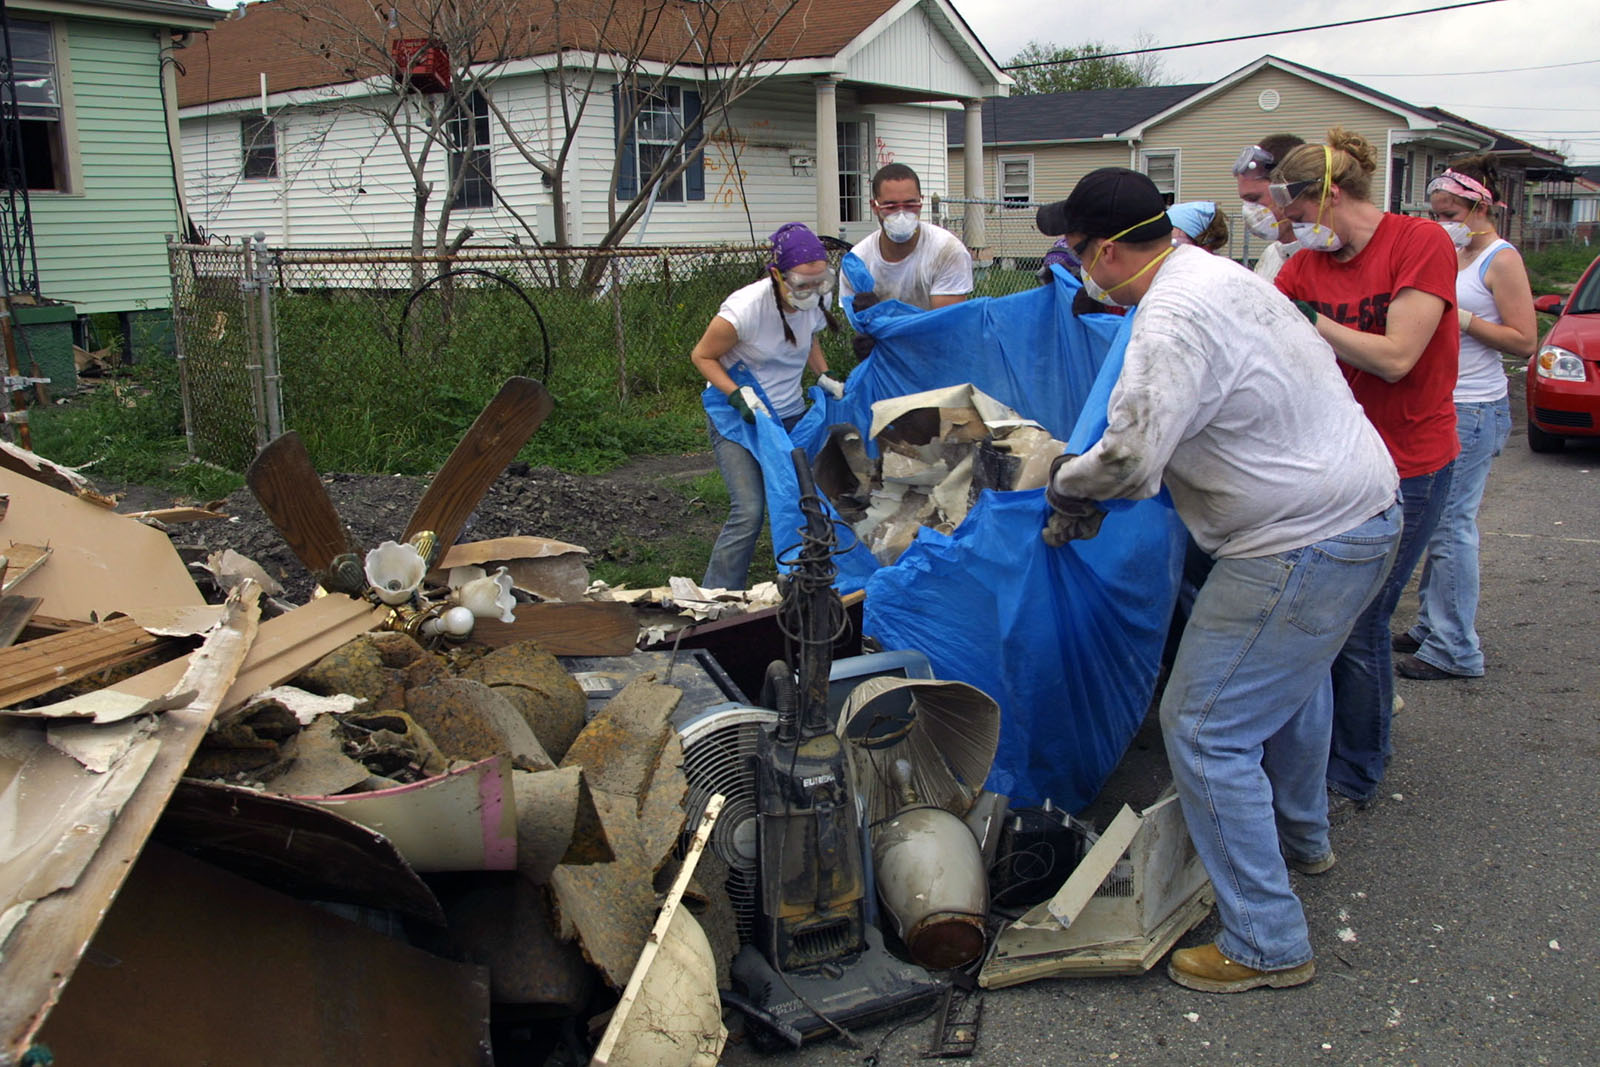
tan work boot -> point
(1208, 970)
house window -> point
(39, 106)
(1014, 179)
(853, 174)
(651, 134)
(471, 168)
(259, 135)
(1162, 167)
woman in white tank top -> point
(1495, 308)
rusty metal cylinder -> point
(933, 886)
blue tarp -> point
(1067, 640)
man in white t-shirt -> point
(923, 265)
(1240, 412)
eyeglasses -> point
(1081, 247)
(808, 283)
(1286, 193)
(892, 206)
(1253, 162)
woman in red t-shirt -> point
(1380, 289)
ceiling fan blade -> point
(292, 494)
(493, 440)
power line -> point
(1519, 107)
(1249, 36)
(1469, 73)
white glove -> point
(752, 402)
(1464, 317)
(833, 386)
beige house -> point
(1186, 137)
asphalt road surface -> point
(1460, 925)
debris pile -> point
(937, 452)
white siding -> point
(912, 53)
(342, 182)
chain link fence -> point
(387, 345)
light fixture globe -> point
(395, 571)
(487, 596)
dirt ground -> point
(644, 500)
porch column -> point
(972, 156)
(827, 168)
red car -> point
(1564, 374)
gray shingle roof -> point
(1069, 116)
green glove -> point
(745, 401)
(1307, 310)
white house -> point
(280, 134)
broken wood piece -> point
(670, 1012)
(584, 629)
(98, 747)
(32, 465)
(551, 570)
(37, 667)
(15, 611)
(43, 948)
(18, 561)
(464, 820)
(175, 515)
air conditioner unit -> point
(421, 64)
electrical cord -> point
(405, 313)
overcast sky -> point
(1441, 54)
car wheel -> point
(1539, 441)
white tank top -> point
(1482, 376)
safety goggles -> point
(889, 207)
(809, 283)
(1253, 162)
(1285, 193)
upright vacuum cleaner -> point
(818, 964)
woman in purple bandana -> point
(753, 353)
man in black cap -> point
(1229, 398)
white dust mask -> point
(900, 227)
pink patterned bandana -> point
(1457, 184)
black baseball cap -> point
(1104, 203)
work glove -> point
(745, 401)
(833, 386)
(1307, 310)
(1464, 317)
(1072, 518)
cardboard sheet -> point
(102, 562)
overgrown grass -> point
(1557, 268)
(129, 428)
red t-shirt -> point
(1415, 416)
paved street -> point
(1461, 923)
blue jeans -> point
(729, 566)
(1363, 673)
(1246, 715)
(1447, 624)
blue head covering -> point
(1192, 217)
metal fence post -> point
(616, 323)
(271, 379)
(249, 282)
(175, 263)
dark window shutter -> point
(694, 176)
(627, 165)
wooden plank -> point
(15, 611)
(45, 946)
(171, 516)
(19, 561)
(492, 441)
(587, 629)
(50, 662)
(291, 492)
(285, 646)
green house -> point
(96, 107)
